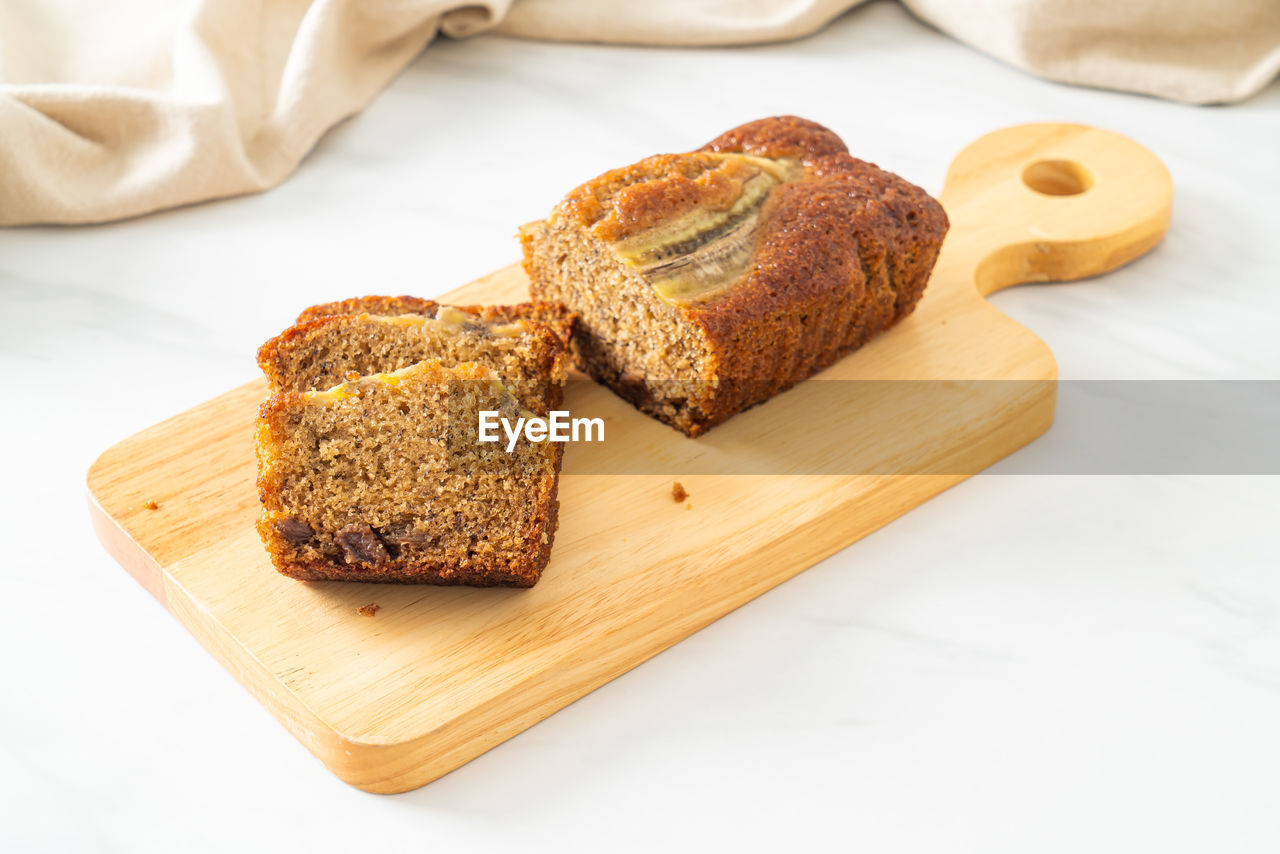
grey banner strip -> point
(945, 427)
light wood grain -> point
(440, 675)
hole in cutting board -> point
(1057, 177)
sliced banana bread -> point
(705, 283)
(383, 478)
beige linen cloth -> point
(113, 108)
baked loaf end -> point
(382, 479)
(707, 282)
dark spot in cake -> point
(631, 387)
(362, 545)
(294, 530)
(399, 536)
(678, 492)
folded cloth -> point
(110, 110)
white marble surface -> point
(1025, 663)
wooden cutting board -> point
(440, 675)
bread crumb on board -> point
(368, 610)
(151, 505)
(678, 492)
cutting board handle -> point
(1074, 201)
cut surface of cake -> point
(381, 334)
(707, 282)
(383, 478)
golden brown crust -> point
(629, 200)
(555, 317)
(842, 254)
(782, 136)
(271, 354)
(384, 305)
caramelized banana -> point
(708, 245)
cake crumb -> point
(151, 505)
(368, 610)
(677, 492)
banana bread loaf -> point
(707, 282)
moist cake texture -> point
(383, 478)
(707, 282)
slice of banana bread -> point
(323, 349)
(705, 283)
(383, 478)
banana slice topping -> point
(697, 253)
